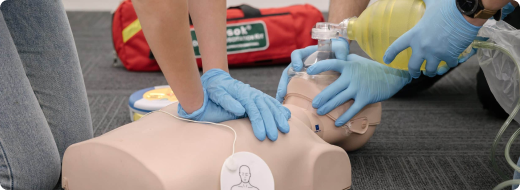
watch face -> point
(467, 7)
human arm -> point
(442, 34)
(340, 10)
(209, 21)
(267, 116)
(166, 28)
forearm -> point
(209, 20)
(495, 4)
(340, 10)
(491, 5)
(166, 28)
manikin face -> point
(245, 174)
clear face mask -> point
(324, 33)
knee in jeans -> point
(41, 172)
(49, 170)
(46, 172)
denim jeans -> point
(43, 102)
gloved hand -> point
(212, 112)
(361, 79)
(442, 34)
(464, 58)
(267, 115)
(340, 47)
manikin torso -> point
(160, 152)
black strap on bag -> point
(249, 12)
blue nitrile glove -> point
(508, 9)
(442, 34)
(211, 112)
(361, 79)
(340, 47)
(442, 70)
(266, 114)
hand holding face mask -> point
(339, 46)
(363, 80)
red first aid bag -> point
(254, 36)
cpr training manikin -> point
(162, 152)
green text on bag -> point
(241, 37)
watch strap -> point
(484, 14)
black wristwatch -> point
(475, 9)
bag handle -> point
(249, 12)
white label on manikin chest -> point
(246, 171)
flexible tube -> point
(490, 45)
(508, 147)
(507, 184)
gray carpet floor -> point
(437, 139)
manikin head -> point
(245, 173)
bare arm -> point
(166, 28)
(209, 20)
(340, 10)
(491, 5)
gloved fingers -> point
(337, 100)
(341, 48)
(327, 65)
(431, 66)
(268, 119)
(279, 117)
(285, 111)
(398, 46)
(355, 57)
(256, 119)
(334, 88)
(223, 99)
(414, 65)
(351, 112)
(298, 55)
(452, 62)
(443, 69)
(282, 85)
(330, 92)
(467, 56)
